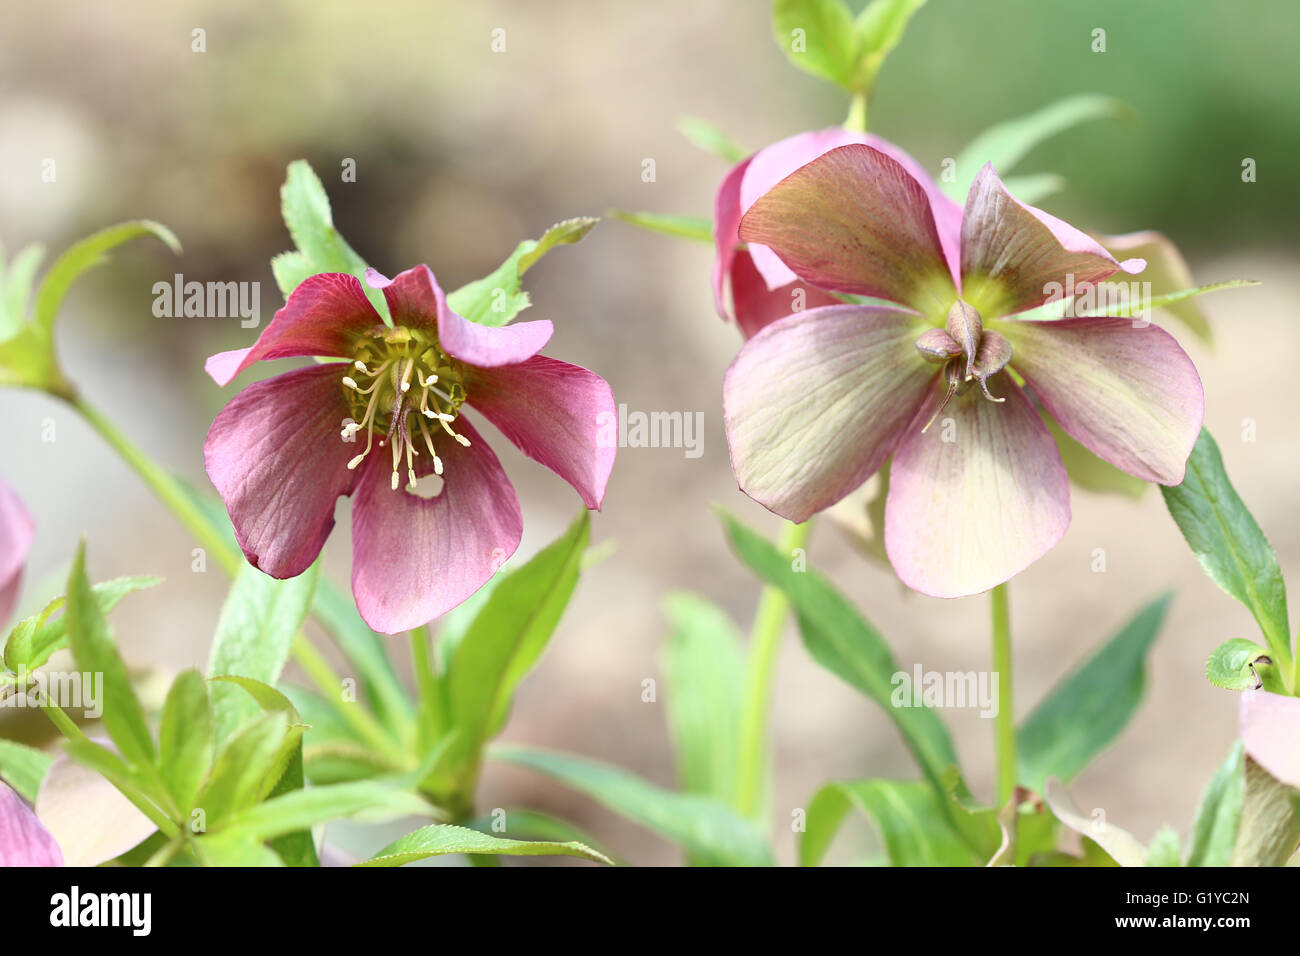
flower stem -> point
(328, 681)
(764, 646)
(857, 118)
(432, 713)
(1005, 728)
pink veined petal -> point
(558, 414)
(416, 300)
(757, 307)
(978, 497)
(815, 403)
(854, 220)
(1024, 255)
(323, 316)
(1128, 394)
(1270, 732)
(726, 220)
(277, 457)
(415, 558)
(16, 532)
(23, 840)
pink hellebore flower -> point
(763, 288)
(818, 401)
(1270, 731)
(16, 532)
(24, 841)
(390, 414)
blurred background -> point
(461, 152)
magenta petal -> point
(726, 220)
(1019, 256)
(415, 558)
(276, 456)
(323, 316)
(558, 414)
(1270, 732)
(815, 403)
(416, 300)
(854, 220)
(757, 307)
(23, 840)
(16, 532)
(978, 497)
(1129, 394)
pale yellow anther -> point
(350, 382)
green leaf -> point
(1214, 835)
(1085, 712)
(908, 815)
(878, 30)
(303, 809)
(508, 636)
(706, 829)
(306, 211)
(705, 667)
(234, 850)
(1034, 187)
(498, 297)
(255, 632)
(440, 840)
(245, 768)
(842, 641)
(23, 768)
(1166, 272)
(16, 289)
(1239, 664)
(818, 37)
(290, 269)
(1164, 849)
(1007, 143)
(1139, 307)
(91, 251)
(682, 227)
(92, 647)
(34, 639)
(1229, 544)
(185, 747)
(711, 139)
(1270, 822)
(535, 825)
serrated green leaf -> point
(818, 37)
(34, 639)
(1237, 664)
(1007, 143)
(1214, 835)
(303, 809)
(290, 270)
(23, 768)
(234, 850)
(243, 767)
(16, 280)
(843, 642)
(255, 632)
(907, 814)
(443, 839)
(93, 648)
(704, 667)
(79, 257)
(706, 829)
(1229, 544)
(185, 746)
(697, 228)
(877, 31)
(498, 297)
(1082, 714)
(711, 139)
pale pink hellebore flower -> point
(284, 449)
(819, 400)
(16, 532)
(24, 841)
(763, 288)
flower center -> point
(399, 375)
(967, 352)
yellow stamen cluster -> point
(396, 374)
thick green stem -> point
(857, 118)
(432, 714)
(1005, 721)
(764, 648)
